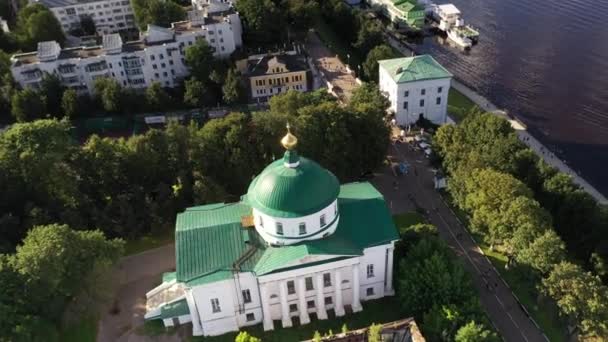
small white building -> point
(297, 246)
(416, 87)
(158, 57)
(109, 16)
(4, 25)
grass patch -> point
(83, 331)
(459, 105)
(377, 311)
(337, 44)
(404, 221)
(149, 241)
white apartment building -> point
(416, 87)
(109, 16)
(158, 57)
(297, 246)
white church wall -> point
(266, 226)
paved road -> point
(496, 298)
(330, 67)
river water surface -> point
(547, 63)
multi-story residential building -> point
(416, 87)
(275, 74)
(109, 16)
(296, 246)
(158, 57)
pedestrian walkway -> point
(542, 151)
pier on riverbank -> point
(483, 103)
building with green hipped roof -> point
(401, 12)
(417, 87)
(298, 244)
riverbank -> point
(525, 136)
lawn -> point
(377, 311)
(459, 105)
(150, 241)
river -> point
(546, 62)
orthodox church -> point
(298, 245)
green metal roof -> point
(281, 191)
(210, 239)
(175, 309)
(417, 68)
(168, 277)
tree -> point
(369, 34)
(52, 89)
(199, 58)
(244, 336)
(344, 329)
(157, 98)
(36, 23)
(370, 66)
(263, 19)
(374, 333)
(316, 337)
(301, 13)
(195, 93)
(69, 103)
(87, 25)
(430, 276)
(473, 332)
(543, 253)
(27, 105)
(580, 296)
(440, 323)
(232, 88)
(110, 94)
(156, 12)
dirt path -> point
(137, 274)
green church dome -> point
(283, 191)
(292, 186)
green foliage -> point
(580, 296)
(109, 93)
(344, 329)
(195, 92)
(369, 34)
(370, 66)
(473, 332)
(244, 336)
(156, 12)
(36, 23)
(28, 105)
(233, 93)
(316, 337)
(52, 89)
(374, 334)
(543, 253)
(199, 58)
(70, 104)
(430, 276)
(157, 98)
(263, 19)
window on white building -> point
(302, 227)
(215, 305)
(335, 208)
(70, 11)
(326, 279)
(322, 220)
(438, 100)
(328, 300)
(309, 285)
(279, 228)
(261, 222)
(439, 90)
(421, 103)
(250, 317)
(310, 304)
(246, 296)
(291, 287)
(370, 270)
(406, 93)
(369, 291)
(423, 92)
(405, 105)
